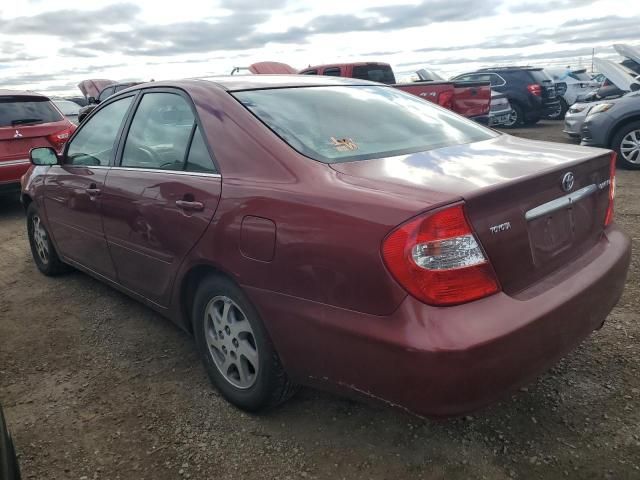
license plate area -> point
(500, 119)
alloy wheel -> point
(513, 119)
(40, 239)
(231, 341)
(630, 147)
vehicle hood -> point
(92, 88)
(461, 169)
(628, 51)
(266, 68)
(616, 74)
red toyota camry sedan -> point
(336, 233)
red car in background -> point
(27, 120)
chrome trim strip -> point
(14, 162)
(148, 170)
(175, 172)
(560, 203)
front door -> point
(158, 202)
(73, 193)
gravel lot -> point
(96, 386)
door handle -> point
(190, 205)
(93, 191)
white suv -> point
(571, 85)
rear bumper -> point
(482, 119)
(448, 361)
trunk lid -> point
(508, 185)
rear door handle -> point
(189, 205)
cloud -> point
(542, 7)
(253, 5)
(71, 23)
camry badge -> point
(503, 227)
(567, 181)
(17, 134)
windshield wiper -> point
(24, 121)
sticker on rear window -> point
(344, 144)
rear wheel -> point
(531, 121)
(235, 347)
(627, 144)
(516, 118)
(42, 249)
(560, 111)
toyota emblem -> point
(567, 181)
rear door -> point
(73, 190)
(162, 196)
(26, 122)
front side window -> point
(347, 123)
(310, 72)
(159, 133)
(93, 144)
(25, 110)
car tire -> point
(626, 143)
(235, 348)
(9, 468)
(42, 248)
(516, 119)
(531, 121)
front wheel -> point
(42, 249)
(626, 143)
(235, 347)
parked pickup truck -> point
(469, 99)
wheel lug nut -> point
(227, 330)
(235, 342)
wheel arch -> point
(189, 286)
(621, 124)
(26, 200)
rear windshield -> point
(375, 73)
(347, 123)
(26, 111)
(539, 76)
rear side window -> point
(18, 110)
(309, 72)
(93, 144)
(332, 72)
(106, 93)
(199, 159)
(375, 73)
(580, 76)
(347, 123)
(159, 133)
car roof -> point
(507, 68)
(232, 83)
(20, 93)
(345, 64)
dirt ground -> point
(96, 386)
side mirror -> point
(43, 156)
(635, 87)
(91, 100)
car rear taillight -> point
(535, 89)
(58, 139)
(438, 260)
(445, 99)
(608, 219)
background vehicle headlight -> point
(603, 107)
(577, 108)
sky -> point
(49, 45)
